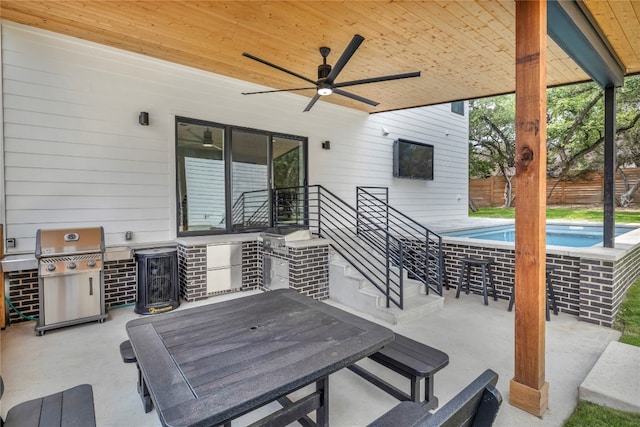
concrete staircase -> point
(348, 287)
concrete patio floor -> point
(475, 336)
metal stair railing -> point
(251, 209)
(377, 255)
(423, 258)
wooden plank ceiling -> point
(464, 49)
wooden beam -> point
(528, 388)
(573, 28)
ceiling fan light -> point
(207, 140)
(324, 89)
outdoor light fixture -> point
(207, 141)
(143, 118)
(324, 89)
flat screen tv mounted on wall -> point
(413, 160)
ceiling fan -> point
(206, 139)
(326, 84)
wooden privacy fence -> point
(489, 192)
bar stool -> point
(485, 266)
(551, 295)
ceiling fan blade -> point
(277, 67)
(198, 137)
(378, 79)
(279, 90)
(312, 102)
(356, 97)
(344, 58)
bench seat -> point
(69, 408)
(129, 356)
(412, 360)
(126, 352)
(476, 405)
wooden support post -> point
(528, 389)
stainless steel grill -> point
(275, 239)
(70, 277)
(275, 263)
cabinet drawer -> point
(224, 279)
(224, 255)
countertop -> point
(28, 261)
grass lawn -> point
(594, 215)
(591, 415)
(627, 321)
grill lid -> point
(69, 241)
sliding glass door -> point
(288, 177)
(250, 187)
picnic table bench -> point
(68, 408)
(412, 360)
(476, 405)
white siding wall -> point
(74, 153)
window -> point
(225, 175)
(458, 107)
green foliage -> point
(628, 319)
(575, 131)
(575, 125)
(590, 415)
(492, 135)
(479, 167)
(286, 169)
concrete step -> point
(411, 287)
(614, 381)
(349, 288)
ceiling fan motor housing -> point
(323, 71)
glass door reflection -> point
(250, 194)
(288, 179)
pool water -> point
(577, 236)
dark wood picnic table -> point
(207, 365)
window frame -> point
(228, 160)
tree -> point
(575, 134)
(628, 147)
(492, 140)
(575, 129)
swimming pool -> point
(577, 236)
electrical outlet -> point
(11, 242)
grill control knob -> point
(91, 263)
(51, 267)
(72, 265)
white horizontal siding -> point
(205, 191)
(75, 155)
